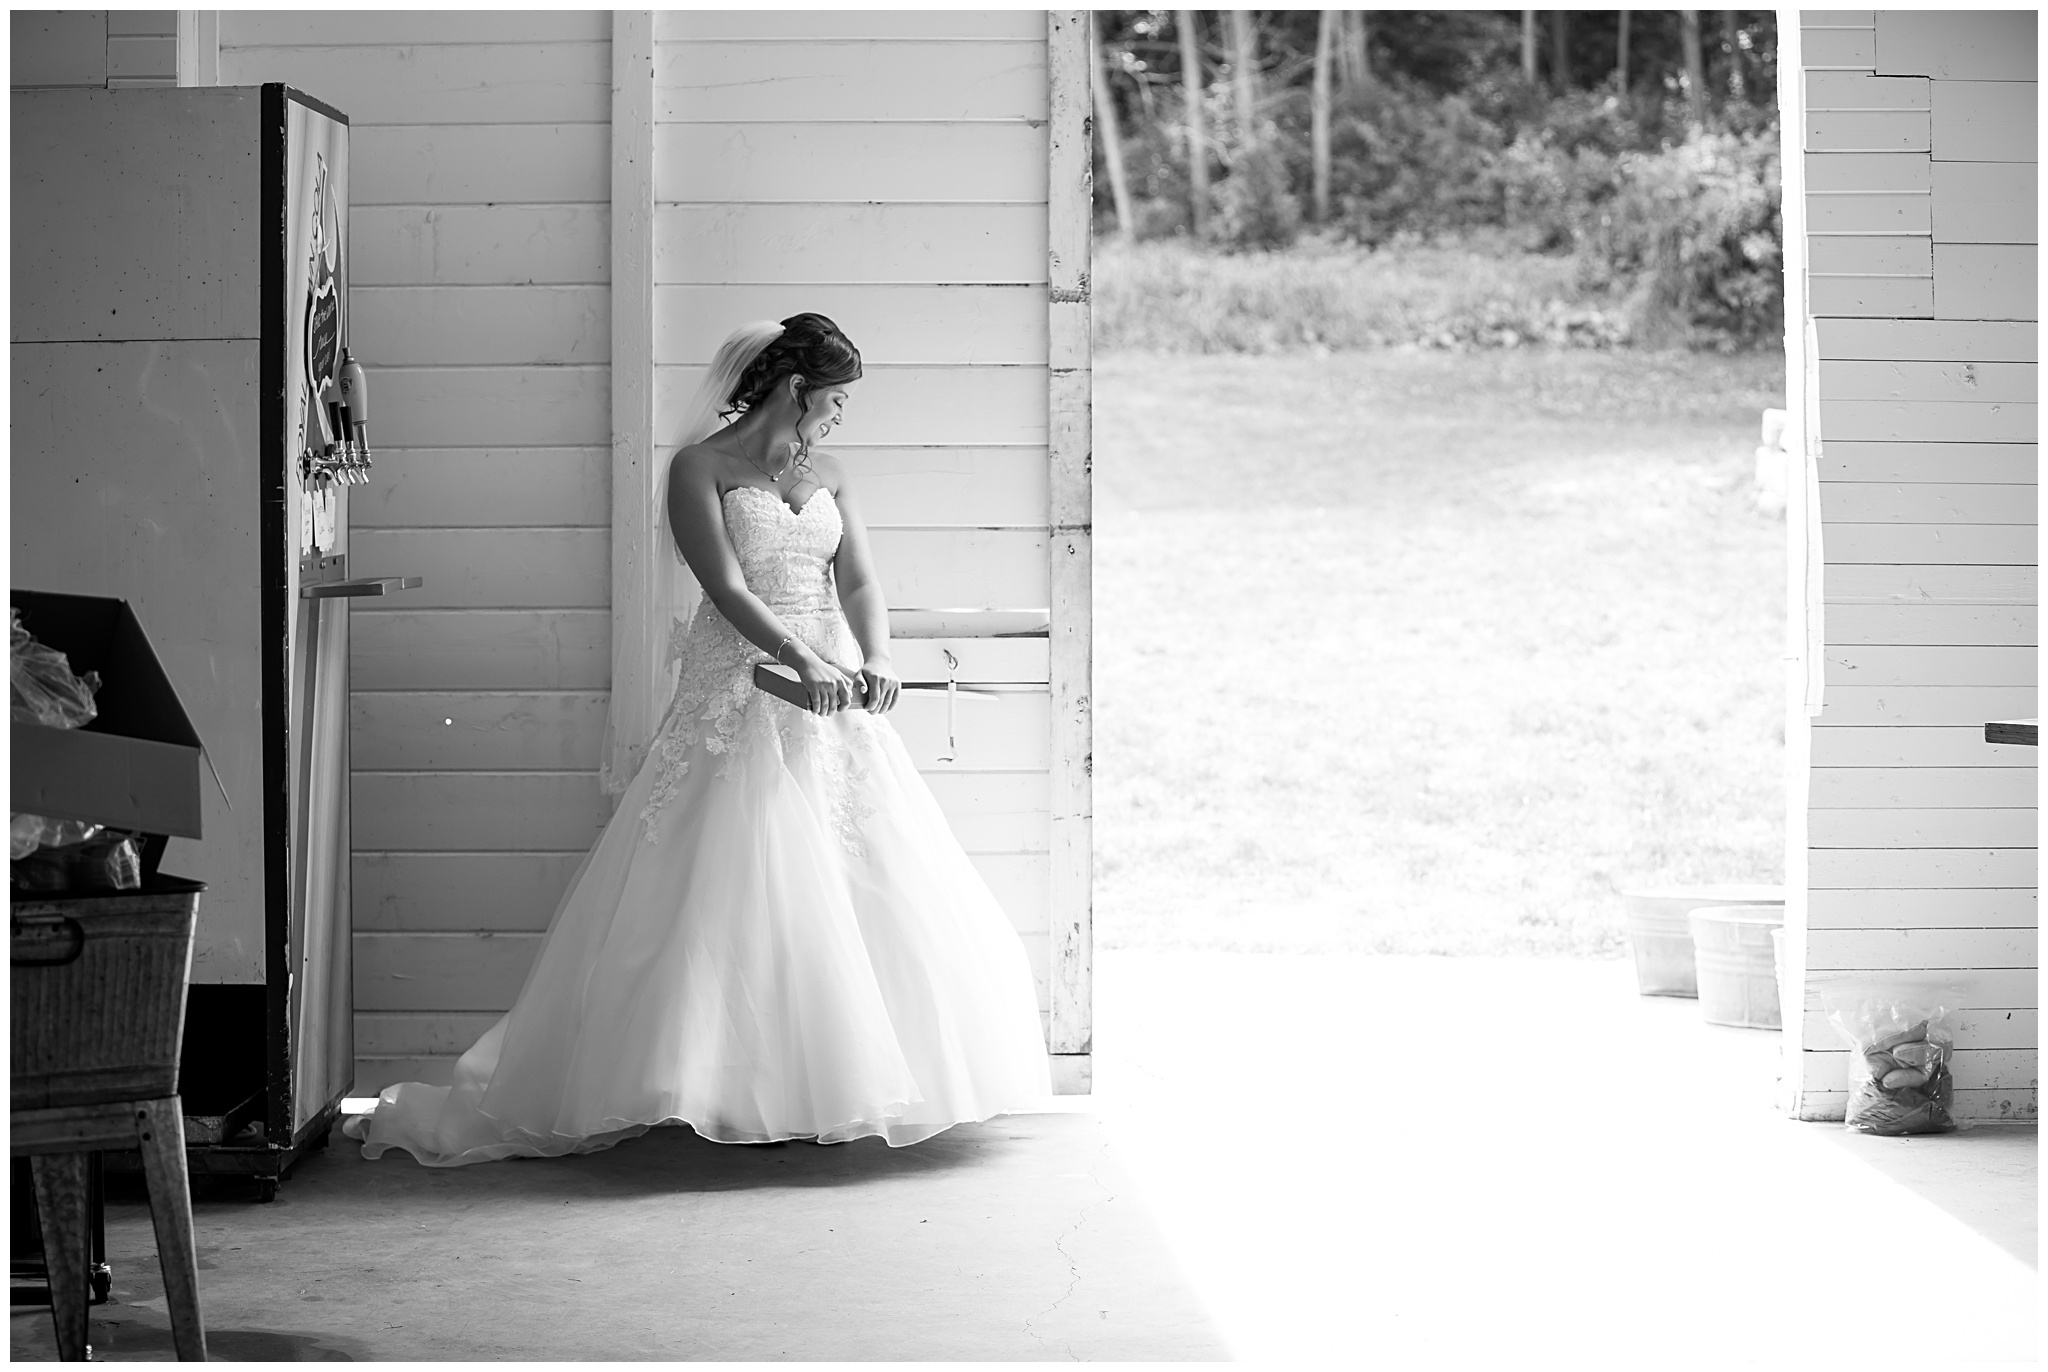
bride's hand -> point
(878, 677)
(828, 687)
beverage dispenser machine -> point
(188, 421)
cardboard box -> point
(136, 765)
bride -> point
(776, 936)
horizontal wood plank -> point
(343, 28)
(1987, 202)
(1972, 1029)
(1927, 502)
(141, 59)
(473, 487)
(478, 407)
(1967, 45)
(1924, 381)
(789, 244)
(1929, 421)
(1009, 661)
(479, 245)
(468, 326)
(858, 162)
(1931, 666)
(1923, 787)
(2010, 545)
(913, 406)
(810, 26)
(475, 82)
(1947, 869)
(471, 731)
(2002, 463)
(1872, 256)
(1877, 908)
(473, 971)
(419, 1033)
(1011, 730)
(487, 569)
(931, 325)
(505, 892)
(2012, 1103)
(1852, 49)
(1913, 950)
(991, 568)
(1986, 121)
(1959, 745)
(1868, 131)
(991, 808)
(426, 812)
(1837, 91)
(142, 23)
(2000, 988)
(1882, 297)
(1973, 1069)
(980, 487)
(484, 650)
(1985, 281)
(1928, 340)
(883, 79)
(1935, 828)
(1867, 173)
(480, 164)
(1930, 585)
(1950, 705)
(1870, 212)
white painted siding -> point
(890, 170)
(1920, 848)
(110, 48)
(481, 306)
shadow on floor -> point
(1983, 1175)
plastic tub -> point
(1660, 932)
(1738, 978)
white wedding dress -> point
(776, 936)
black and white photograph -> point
(953, 685)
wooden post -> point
(1243, 82)
(1319, 113)
(1191, 99)
(198, 47)
(1695, 70)
(1560, 53)
(1621, 55)
(1529, 46)
(635, 465)
(1354, 61)
(1112, 137)
(1069, 438)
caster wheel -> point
(266, 1190)
(102, 1283)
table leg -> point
(162, 1141)
(63, 1201)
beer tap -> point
(355, 401)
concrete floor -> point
(1287, 1160)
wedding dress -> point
(776, 936)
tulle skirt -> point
(793, 946)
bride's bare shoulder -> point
(698, 464)
(829, 470)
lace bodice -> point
(786, 559)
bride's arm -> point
(860, 590)
(698, 519)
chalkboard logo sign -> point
(323, 310)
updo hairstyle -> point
(811, 347)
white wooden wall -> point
(480, 311)
(111, 48)
(1919, 192)
(889, 170)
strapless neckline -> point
(823, 492)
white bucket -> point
(1660, 931)
(1734, 953)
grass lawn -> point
(1425, 652)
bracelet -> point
(779, 647)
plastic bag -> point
(26, 833)
(1901, 1039)
(107, 861)
(45, 690)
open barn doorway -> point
(1446, 594)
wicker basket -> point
(98, 988)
